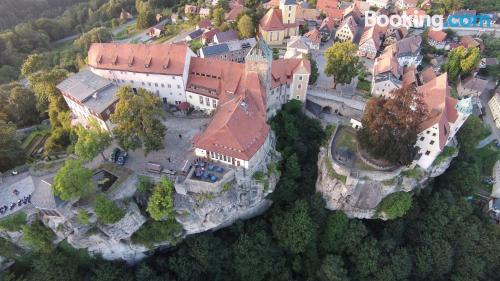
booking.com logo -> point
(436, 22)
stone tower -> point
(259, 59)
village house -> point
(386, 76)
(208, 36)
(235, 11)
(196, 34)
(304, 16)
(436, 38)
(416, 14)
(407, 51)
(204, 12)
(328, 7)
(393, 35)
(471, 86)
(313, 38)
(278, 25)
(327, 28)
(406, 4)
(379, 3)
(190, 9)
(226, 36)
(445, 117)
(370, 42)
(347, 30)
(427, 75)
(494, 105)
(156, 31)
(296, 47)
(204, 24)
(234, 51)
(471, 42)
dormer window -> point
(99, 59)
(148, 62)
(115, 60)
(131, 61)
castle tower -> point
(259, 59)
(288, 11)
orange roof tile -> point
(234, 12)
(282, 70)
(313, 35)
(167, 59)
(272, 20)
(437, 35)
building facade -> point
(278, 25)
(494, 105)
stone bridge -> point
(334, 103)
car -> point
(122, 158)
(114, 154)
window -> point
(162, 85)
(201, 100)
(215, 103)
(428, 132)
(434, 134)
(143, 84)
(300, 77)
(432, 142)
(427, 152)
(207, 100)
(298, 97)
(178, 86)
(149, 83)
(169, 86)
(132, 81)
(300, 86)
(422, 138)
(156, 85)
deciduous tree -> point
(461, 61)
(161, 202)
(246, 27)
(107, 211)
(73, 180)
(138, 120)
(342, 62)
(11, 153)
(91, 141)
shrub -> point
(83, 217)
(227, 186)
(38, 236)
(145, 184)
(107, 211)
(161, 202)
(154, 232)
(258, 176)
(395, 205)
(13, 222)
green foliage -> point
(414, 173)
(37, 236)
(227, 186)
(145, 184)
(107, 211)
(473, 131)
(295, 229)
(314, 70)
(218, 16)
(73, 180)
(95, 35)
(195, 45)
(461, 61)
(342, 62)
(258, 176)
(332, 269)
(83, 217)
(395, 205)
(13, 222)
(161, 202)
(246, 27)
(11, 153)
(447, 152)
(154, 232)
(138, 120)
(91, 141)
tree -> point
(332, 269)
(22, 105)
(395, 205)
(11, 153)
(73, 180)
(218, 16)
(145, 19)
(334, 230)
(95, 35)
(91, 141)
(33, 63)
(461, 61)
(107, 211)
(138, 120)
(38, 236)
(391, 126)
(246, 27)
(314, 70)
(470, 134)
(254, 251)
(295, 229)
(161, 202)
(342, 62)
(44, 84)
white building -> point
(407, 51)
(378, 3)
(347, 30)
(386, 76)
(159, 68)
(445, 117)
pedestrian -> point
(168, 159)
(180, 136)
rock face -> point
(358, 193)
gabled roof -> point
(165, 59)
(314, 36)
(474, 83)
(327, 23)
(282, 70)
(234, 12)
(272, 20)
(436, 35)
(372, 33)
(387, 63)
(427, 74)
(226, 36)
(350, 23)
(204, 23)
(440, 106)
(297, 42)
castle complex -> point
(241, 96)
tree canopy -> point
(91, 141)
(107, 211)
(161, 202)
(391, 126)
(246, 27)
(73, 180)
(461, 61)
(138, 119)
(11, 152)
(342, 62)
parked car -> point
(122, 158)
(114, 154)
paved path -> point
(486, 141)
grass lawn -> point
(347, 140)
(487, 157)
(364, 85)
(127, 32)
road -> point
(487, 116)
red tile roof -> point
(440, 106)
(167, 59)
(437, 35)
(272, 20)
(234, 12)
(314, 36)
(327, 4)
(282, 70)
(204, 23)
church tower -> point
(288, 11)
(259, 59)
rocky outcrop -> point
(358, 193)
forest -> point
(444, 236)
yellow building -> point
(494, 104)
(279, 24)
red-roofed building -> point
(234, 12)
(436, 38)
(445, 116)
(313, 38)
(329, 7)
(370, 42)
(190, 9)
(278, 25)
(347, 30)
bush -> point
(38, 236)
(83, 217)
(161, 202)
(395, 205)
(13, 222)
(258, 176)
(154, 232)
(145, 184)
(107, 211)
